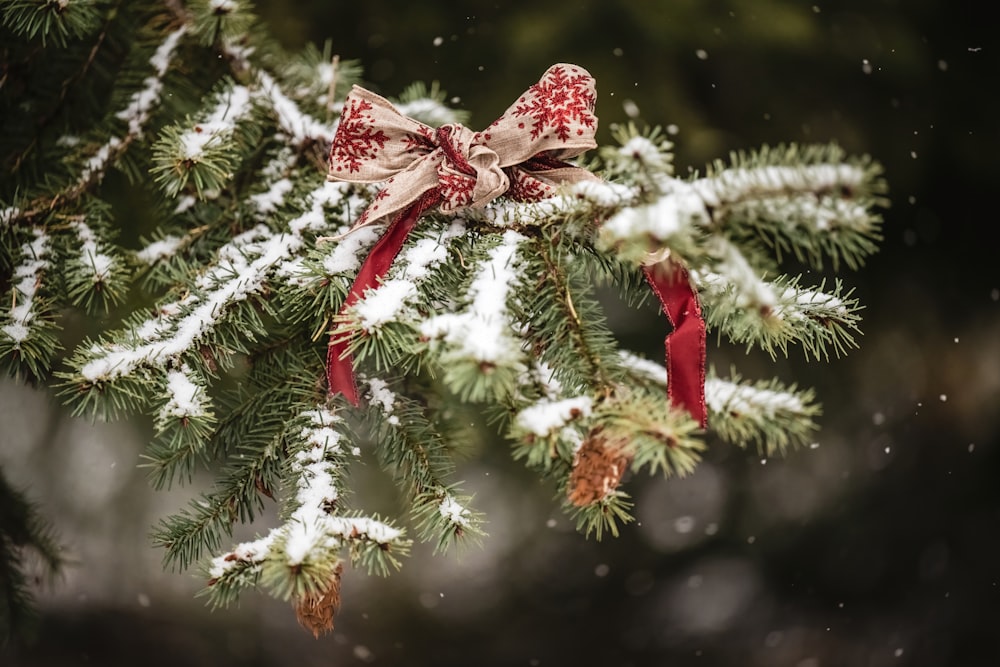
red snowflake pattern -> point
(419, 143)
(373, 207)
(525, 187)
(356, 142)
(456, 189)
(559, 103)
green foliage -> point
(787, 205)
(204, 153)
(245, 262)
(768, 413)
(607, 514)
(53, 22)
(221, 20)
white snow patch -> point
(218, 127)
(428, 111)
(380, 394)
(388, 301)
(347, 255)
(158, 250)
(577, 199)
(298, 125)
(99, 264)
(451, 510)
(137, 112)
(546, 417)
(25, 281)
(482, 331)
(327, 194)
(738, 184)
(241, 270)
(269, 200)
(644, 367)
(383, 304)
(187, 397)
(646, 152)
(724, 396)
(9, 214)
(668, 216)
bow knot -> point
(470, 174)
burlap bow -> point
(521, 153)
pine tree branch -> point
(45, 119)
(767, 413)
(27, 339)
(572, 329)
(136, 115)
(293, 558)
(476, 348)
(414, 452)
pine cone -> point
(597, 468)
(315, 610)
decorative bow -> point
(452, 167)
(521, 152)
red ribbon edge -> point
(339, 362)
(684, 346)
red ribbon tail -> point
(685, 345)
(340, 372)
(339, 362)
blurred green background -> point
(878, 546)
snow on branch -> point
(186, 396)
(773, 314)
(311, 536)
(297, 125)
(216, 128)
(482, 332)
(392, 298)
(734, 276)
(429, 111)
(163, 248)
(242, 268)
(766, 412)
(583, 199)
(346, 256)
(723, 396)
(9, 214)
(738, 184)
(409, 447)
(804, 199)
(207, 150)
(136, 113)
(26, 280)
(659, 223)
(545, 417)
(276, 183)
(92, 256)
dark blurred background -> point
(878, 545)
